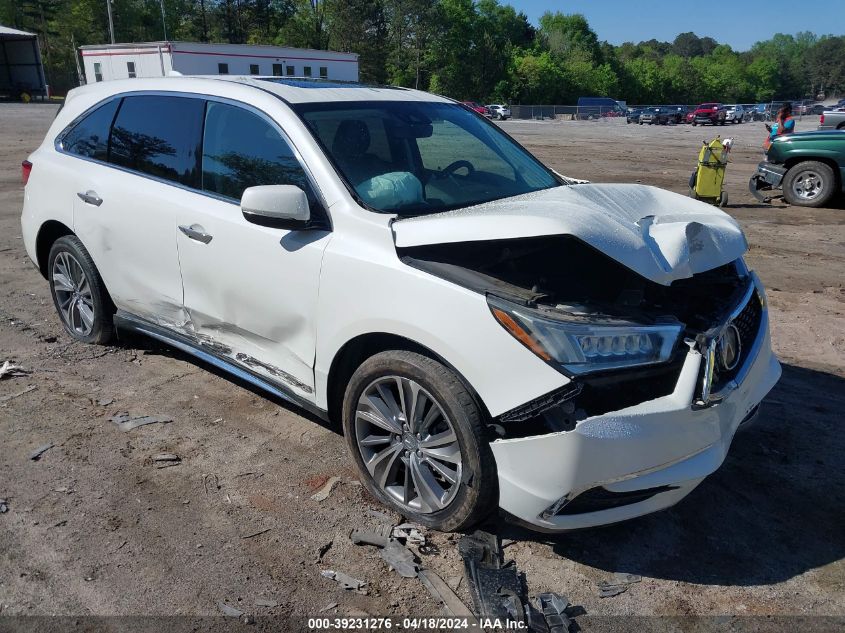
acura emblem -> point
(729, 348)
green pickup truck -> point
(808, 166)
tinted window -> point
(90, 137)
(159, 136)
(241, 150)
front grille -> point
(748, 323)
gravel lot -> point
(94, 528)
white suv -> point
(486, 331)
(734, 113)
(499, 111)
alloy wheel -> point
(408, 444)
(808, 185)
(73, 294)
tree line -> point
(467, 49)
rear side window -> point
(241, 150)
(159, 136)
(90, 137)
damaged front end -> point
(637, 426)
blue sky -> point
(738, 23)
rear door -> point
(128, 197)
(251, 291)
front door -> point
(250, 291)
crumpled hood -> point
(661, 235)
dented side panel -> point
(252, 291)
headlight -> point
(583, 346)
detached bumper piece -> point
(600, 498)
(499, 593)
(767, 178)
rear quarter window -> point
(90, 136)
(159, 136)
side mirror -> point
(277, 206)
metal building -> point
(21, 71)
(158, 59)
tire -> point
(723, 199)
(694, 123)
(454, 506)
(79, 295)
(809, 184)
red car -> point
(472, 105)
(712, 113)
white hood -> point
(661, 235)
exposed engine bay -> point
(567, 278)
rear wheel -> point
(418, 441)
(79, 294)
(809, 184)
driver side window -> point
(437, 150)
(241, 150)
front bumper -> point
(771, 173)
(669, 445)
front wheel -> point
(418, 441)
(809, 184)
(80, 297)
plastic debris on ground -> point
(404, 562)
(323, 493)
(618, 583)
(344, 580)
(4, 506)
(38, 452)
(126, 422)
(10, 370)
(164, 460)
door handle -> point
(90, 197)
(196, 232)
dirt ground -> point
(95, 528)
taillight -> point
(821, 120)
(26, 170)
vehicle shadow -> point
(774, 510)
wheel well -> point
(359, 349)
(49, 232)
(789, 164)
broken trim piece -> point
(272, 369)
(125, 321)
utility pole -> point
(111, 21)
(163, 20)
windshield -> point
(412, 157)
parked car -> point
(832, 120)
(633, 115)
(577, 356)
(477, 107)
(734, 113)
(499, 111)
(808, 166)
(709, 113)
(659, 116)
(817, 108)
(679, 113)
(690, 116)
(748, 112)
(598, 107)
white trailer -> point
(21, 71)
(158, 59)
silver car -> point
(499, 111)
(832, 119)
(734, 114)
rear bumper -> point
(665, 445)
